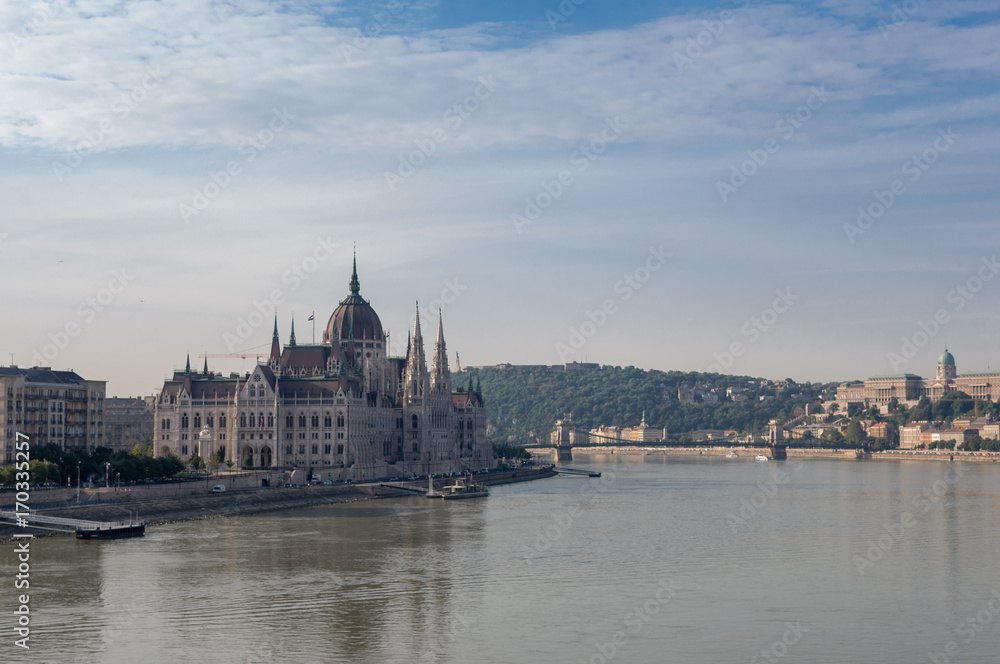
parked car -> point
(219, 488)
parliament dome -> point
(354, 318)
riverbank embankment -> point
(193, 500)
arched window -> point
(315, 420)
(243, 419)
(340, 419)
(197, 420)
(289, 421)
(414, 421)
(302, 420)
(184, 421)
(327, 420)
(222, 420)
(260, 420)
(270, 420)
(209, 421)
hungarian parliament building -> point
(341, 409)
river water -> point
(661, 560)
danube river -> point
(693, 560)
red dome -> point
(354, 318)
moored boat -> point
(464, 488)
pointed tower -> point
(204, 371)
(274, 360)
(291, 337)
(187, 365)
(415, 376)
(440, 375)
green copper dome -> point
(946, 358)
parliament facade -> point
(908, 389)
(342, 409)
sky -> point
(803, 190)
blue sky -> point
(637, 184)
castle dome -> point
(354, 318)
(946, 358)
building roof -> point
(44, 375)
(946, 358)
(907, 376)
(354, 318)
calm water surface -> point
(655, 562)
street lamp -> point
(107, 474)
(77, 484)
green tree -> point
(855, 435)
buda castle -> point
(908, 389)
(341, 409)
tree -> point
(855, 435)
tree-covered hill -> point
(523, 402)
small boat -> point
(732, 455)
(464, 488)
(114, 531)
(761, 457)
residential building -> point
(51, 407)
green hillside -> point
(523, 402)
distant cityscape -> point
(62, 408)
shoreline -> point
(750, 451)
(190, 505)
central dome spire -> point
(355, 284)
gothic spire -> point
(291, 338)
(275, 356)
(441, 376)
(355, 284)
(205, 370)
(187, 365)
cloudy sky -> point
(774, 189)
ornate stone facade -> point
(341, 409)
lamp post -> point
(107, 474)
(77, 484)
